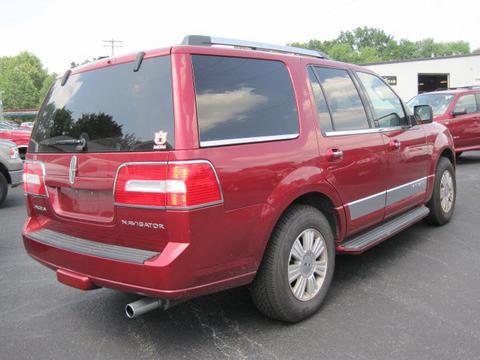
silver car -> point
(11, 168)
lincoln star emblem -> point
(72, 172)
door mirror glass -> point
(459, 111)
(423, 114)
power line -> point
(112, 44)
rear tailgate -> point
(86, 129)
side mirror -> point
(423, 114)
(459, 111)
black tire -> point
(438, 216)
(271, 290)
(3, 188)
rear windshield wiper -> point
(80, 143)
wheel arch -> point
(322, 196)
(447, 153)
(5, 173)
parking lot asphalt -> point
(416, 296)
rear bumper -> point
(86, 265)
(16, 177)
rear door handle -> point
(394, 145)
(334, 154)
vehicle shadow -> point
(469, 158)
(13, 199)
(229, 319)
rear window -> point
(109, 109)
(243, 100)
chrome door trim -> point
(248, 140)
(366, 205)
(365, 131)
(375, 202)
(404, 191)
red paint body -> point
(19, 137)
(465, 129)
(221, 246)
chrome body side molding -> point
(372, 203)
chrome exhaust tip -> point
(144, 305)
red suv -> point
(192, 169)
(459, 110)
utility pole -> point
(112, 44)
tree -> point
(365, 45)
(23, 81)
(74, 64)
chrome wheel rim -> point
(447, 191)
(307, 264)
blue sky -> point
(60, 32)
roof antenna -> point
(138, 61)
(65, 77)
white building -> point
(410, 77)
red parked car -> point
(459, 110)
(192, 169)
(20, 137)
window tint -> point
(386, 106)
(324, 119)
(343, 99)
(467, 103)
(239, 99)
(112, 109)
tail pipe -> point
(147, 304)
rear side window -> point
(343, 99)
(243, 100)
(324, 119)
(386, 106)
(109, 109)
(466, 103)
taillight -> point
(34, 178)
(176, 185)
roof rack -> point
(211, 40)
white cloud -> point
(229, 105)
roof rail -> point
(211, 40)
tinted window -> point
(466, 103)
(343, 99)
(324, 119)
(113, 108)
(243, 98)
(386, 106)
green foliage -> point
(97, 126)
(366, 45)
(23, 81)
